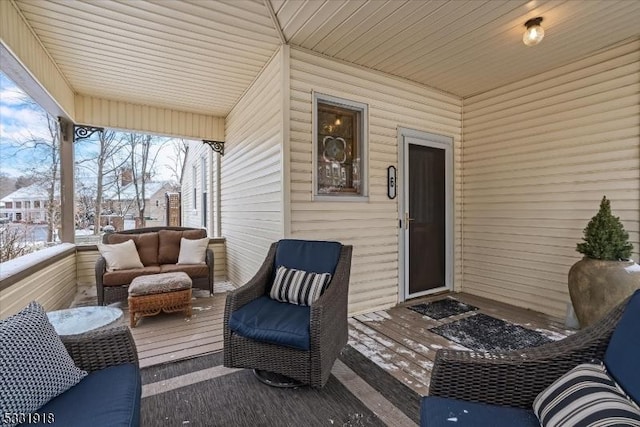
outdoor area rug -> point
(485, 333)
(239, 399)
(396, 392)
(442, 308)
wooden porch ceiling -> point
(200, 56)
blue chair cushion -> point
(275, 322)
(623, 352)
(443, 412)
(311, 256)
(109, 397)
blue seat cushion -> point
(109, 397)
(275, 322)
(623, 352)
(306, 255)
(443, 412)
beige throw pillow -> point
(193, 251)
(120, 256)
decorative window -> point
(340, 148)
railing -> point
(47, 276)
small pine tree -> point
(605, 237)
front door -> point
(427, 211)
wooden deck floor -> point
(172, 336)
(398, 340)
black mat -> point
(486, 333)
(239, 399)
(442, 308)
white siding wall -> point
(192, 217)
(372, 228)
(251, 183)
(143, 118)
(538, 157)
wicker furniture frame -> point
(96, 350)
(516, 378)
(152, 304)
(328, 328)
(110, 294)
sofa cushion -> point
(35, 366)
(443, 412)
(120, 256)
(312, 256)
(193, 270)
(297, 286)
(124, 277)
(623, 352)
(108, 397)
(146, 245)
(193, 251)
(279, 323)
(159, 283)
(169, 243)
(584, 396)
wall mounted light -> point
(534, 32)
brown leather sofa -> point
(158, 248)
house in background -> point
(425, 134)
(27, 204)
(124, 203)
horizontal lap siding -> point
(251, 185)
(54, 287)
(372, 228)
(538, 157)
(192, 217)
(144, 118)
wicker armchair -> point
(328, 327)
(96, 350)
(110, 394)
(515, 378)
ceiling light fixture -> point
(534, 33)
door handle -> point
(407, 219)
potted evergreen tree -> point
(606, 275)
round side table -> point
(74, 321)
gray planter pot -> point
(596, 286)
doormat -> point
(442, 308)
(485, 333)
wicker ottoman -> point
(168, 292)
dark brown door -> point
(426, 218)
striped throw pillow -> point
(586, 396)
(297, 286)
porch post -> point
(67, 171)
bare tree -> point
(142, 161)
(105, 162)
(45, 152)
(13, 242)
(179, 150)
